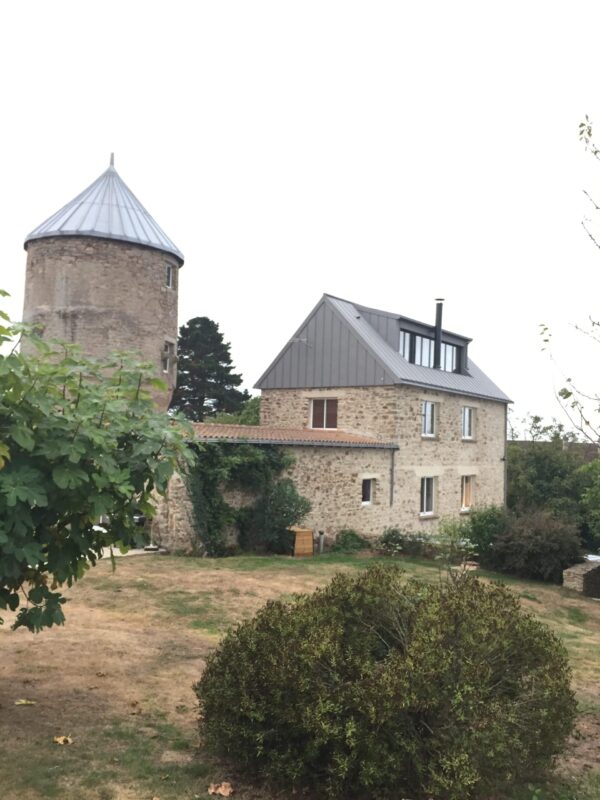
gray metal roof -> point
(337, 346)
(107, 209)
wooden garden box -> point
(303, 542)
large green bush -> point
(80, 440)
(378, 686)
(486, 524)
(535, 545)
(530, 544)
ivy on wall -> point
(256, 469)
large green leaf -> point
(67, 476)
(22, 436)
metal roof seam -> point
(107, 209)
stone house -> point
(389, 421)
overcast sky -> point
(385, 152)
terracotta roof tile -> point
(264, 434)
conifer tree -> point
(206, 382)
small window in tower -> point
(169, 276)
(168, 355)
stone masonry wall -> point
(173, 523)
(331, 478)
(394, 414)
(372, 411)
(584, 578)
(172, 526)
(104, 295)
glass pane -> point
(366, 491)
(466, 491)
(318, 413)
(426, 495)
(428, 421)
(405, 344)
(330, 413)
(467, 422)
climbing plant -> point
(256, 469)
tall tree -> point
(79, 440)
(206, 382)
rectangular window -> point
(405, 344)
(324, 413)
(449, 357)
(424, 351)
(467, 422)
(466, 492)
(420, 350)
(427, 418)
(367, 491)
(427, 489)
(168, 354)
(168, 276)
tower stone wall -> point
(105, 295)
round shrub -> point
(381, 686)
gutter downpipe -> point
(392, 463)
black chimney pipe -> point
(437, 343)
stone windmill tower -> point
(102, 274)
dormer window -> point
(423, 351)
(420, 350)
(449, 357)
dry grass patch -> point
(117, 677)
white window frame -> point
(428, 420)
(404, 347)
(169, 272)
(466, 492)
(427, 497)
(371, 491)
(468, 423)
(325, 401)
(448, 357)
(424, 351)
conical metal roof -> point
(107, 209)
